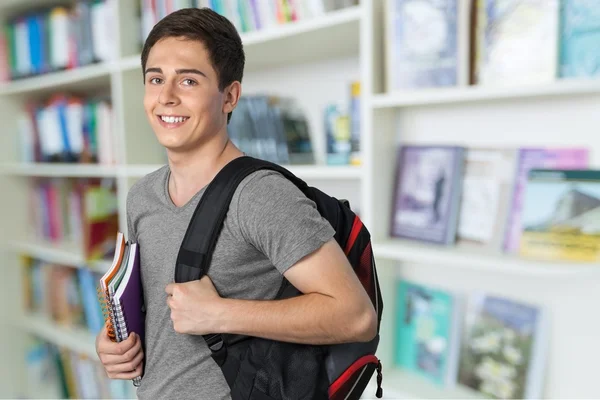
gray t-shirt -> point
(269, 227)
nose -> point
(168, 95)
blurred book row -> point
(277, 129)
(246, 15)
(57, 372)
(48, 39)
(67, 128)
(491, 344)
(63, 294)
(537, 202)
(493, 42)
(77, 213)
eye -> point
(189, 82)
(155, 81)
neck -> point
(193, 170)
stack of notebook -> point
(121, 296)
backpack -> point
(261, 369)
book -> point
(121, 294)
(561, 215)
(506, 32)
(503, 348)
(579, 37)
(427, 193)
(488, 186)
(423, 49)
(531, 158)
(427, 331)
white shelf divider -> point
(402, 385)
(453, 256)
(76, 339)
(441, 96)
(328, 20)
(59, 170)
(100, 71)
(63, 255)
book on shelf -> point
(67, 129)
(580, 35)
(427, 331)
(121, 294)
(427, 190)
(246, 16)
(62, 294)
(426, 46)
(49, 39)
(505, 34)
(81, 212)
(488, 185)
(530, 158)
(56, 372)
(493, 344)
(561, 215)
(272, 128)
(503, 348)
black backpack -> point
(261, 369)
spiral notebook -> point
(121, 295)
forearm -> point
(311, 319)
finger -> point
(128, 375)
(112, 359)
(119, 348)
(126, 366)
(169, 289)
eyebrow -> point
(178, 71)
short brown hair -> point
(217, 33)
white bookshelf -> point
(477, 260)
(313, 61)
(75, 339)
(62, 254)
(60, 170)
(456, 96)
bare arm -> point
(334, 307)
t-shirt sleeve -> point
(279, 220)
(131, 236)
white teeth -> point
(172, 120)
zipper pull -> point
(379, 392)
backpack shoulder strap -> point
(201, 236)
(204, 228)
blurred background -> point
(463, 132)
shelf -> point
(401, 385)
(332, 35)
(76, 339)
(302, 171)
(59, 170)
(79, 79)
(446, 96)
(64, 255)
(406, 250)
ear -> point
(232, 95)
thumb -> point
(169, 288)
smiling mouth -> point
(171, 121)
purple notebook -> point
(130, 296)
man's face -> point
(182, 98)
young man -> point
(193, 63)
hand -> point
(123, 360)
(195, 306)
